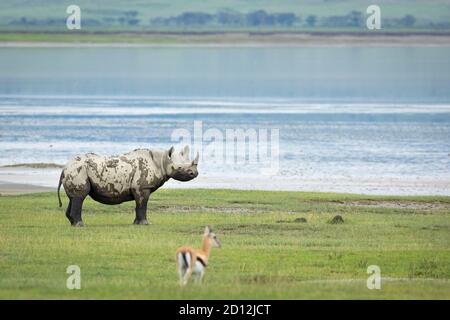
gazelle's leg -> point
(202, 274)
(189, 269)
(200, 270)
(181, 268)
(196, 277)
(187, 275)
(181, 279)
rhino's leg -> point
(141, 199)
(68, 211)
(76, 205)
(77, 186)
(75, 211)
(141, 215)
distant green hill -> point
(221, 15)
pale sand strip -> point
(246, 40)
(26, 180)
(7, 188)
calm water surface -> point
(358, 112)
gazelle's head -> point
(212, 238)
(179, 166)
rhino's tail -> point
(59, 187)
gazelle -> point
(194, 261)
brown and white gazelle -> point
(192, 261)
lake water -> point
(374, 120)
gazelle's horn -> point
(195, 162)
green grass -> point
(208, 37)
(265, 254)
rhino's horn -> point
(195, 162)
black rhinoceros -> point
(116, 179)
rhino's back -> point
(114, 176)
(149, 173)
(110, 175)
(117, 174)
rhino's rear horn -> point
(195, 162)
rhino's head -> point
(179, 166)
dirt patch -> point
(395, 204)
(266, 228)
(264, 279)
(296, 220)
(210, 209)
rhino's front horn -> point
(195, 162)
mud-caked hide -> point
(131, 176)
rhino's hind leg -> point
(75, 212)
(68, 211)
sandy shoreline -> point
(8, 189)
(21, 180)
(232, 40)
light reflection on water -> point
(340, 111)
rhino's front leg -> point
(141, 199)
(141, 214)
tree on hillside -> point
(285, 19)
(352, 19)
(259, 18)
(408, 20)
(355, 19)
(230, 17)
(311, 20)
(194, 18)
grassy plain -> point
(265, 253)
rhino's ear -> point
(170, 152)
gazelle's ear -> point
(207, 230)
(170, 152)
